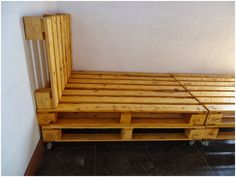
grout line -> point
(205, 160)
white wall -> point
(20, 132)
(190, 37)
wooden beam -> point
(196, 119)
(125, 118)
(214, 118)
(43, 98)
(208, 133)
(126, 133)
(50, 135)
(46, 118)
(34, 28)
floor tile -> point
(178, 159)
(220, 155)
(123, 160)
(67, 161)
(139, 158)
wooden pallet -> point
(121, 106)
(217, 94)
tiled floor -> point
(139, 158)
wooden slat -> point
(60, 49)
(125, 93)
(122, 73)
(159, 137)
(213, 88)
(67, 44)
(89, 137)
(93, 76)
(116, 137)
(225, 136)
(220, 108)
(68, 30)
(224, 123)
(127, 82)
(62, 22)
(207, 83)
(216, 100)
(107, 99)
(126, 108)
(212, 94)
(56, 54)
(70, 43)
(202, 75)
(113, 123)
(51, 60)
(124, 87)
(205, 79)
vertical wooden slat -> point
(68, 44)
(51, 60)
(60, 49)
(56, 55)
(63, 46)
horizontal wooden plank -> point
(125, 93)
(126, 108)
(108, 99)
(220, 108)
(89, 137)
(216, 100)
(126, 82)
(114, 123)
(226, 136)
(117, 137)
(212, 94)
(123, 87)
(224, 123)
(206, 88)
(117, 115)
(207, 83)
(159, 137)
(122, 73)
(223, 79)
(202, 75)
(93, 76)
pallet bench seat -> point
(125, 106)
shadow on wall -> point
(36, 59)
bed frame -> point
(120, 106)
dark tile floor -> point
(139, 158)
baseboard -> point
(35, 159)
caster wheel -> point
(49, 146)
(191, 143)
(205, 143)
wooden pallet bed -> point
(121, 106)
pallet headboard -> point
(56, 31)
